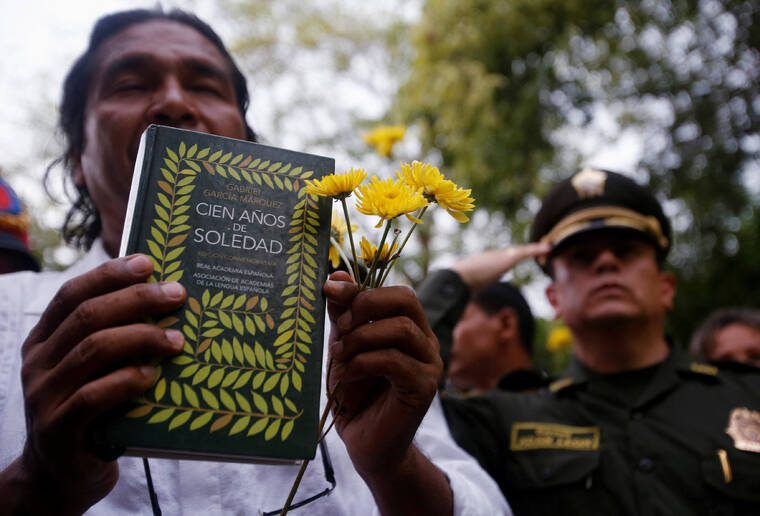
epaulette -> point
(560, 384)
(700, 370)
(703, 369)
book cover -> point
(231, 221)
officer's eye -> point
(581, 256)
(624, 250)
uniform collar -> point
(523, 379)
(677, 365)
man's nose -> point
(605, 259)
(172, 105)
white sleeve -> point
(475, 492)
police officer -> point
(635, 426)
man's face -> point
(160, 72)
(607, 277)
(737, 342)
(476, 348)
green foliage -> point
(496, 86)
(481, 85)
(727, 278)
(315, 64)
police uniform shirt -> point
(680, 438)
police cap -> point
(593, 199)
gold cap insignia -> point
(744, 429)
(589, 182)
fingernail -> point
(139, 264)
(173, 290)
(176, 338)
(337, 347)
(344, 322)
(148, 371)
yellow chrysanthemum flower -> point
(388, 199)
(338, 231)
(429, 181)
(384, 137)
(369, 251)
(338, 186)
(559, 338)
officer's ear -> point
(508, 323)
(667, 289)
(553, 298)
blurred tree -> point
(320, 73)
(504, 89)
(552, 346)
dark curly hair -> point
(82, 224)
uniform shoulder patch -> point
(744, 429)
(705, 369)
(529, 435)
(560, 384)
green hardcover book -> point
(231, 221)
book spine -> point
(140, 179)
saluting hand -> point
(483, 269)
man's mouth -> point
(609, 289)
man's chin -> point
(612, 307)
(613, 318)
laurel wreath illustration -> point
(225, 378)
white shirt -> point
(216, 488)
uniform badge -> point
(744, 429)
(589, 182)
(551, 436)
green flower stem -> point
(406, 239)
(351, 239)
(376, 259)
(344, 258)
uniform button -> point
(646, 465)
(636, 416)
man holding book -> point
(83, 353)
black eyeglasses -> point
(326, 465)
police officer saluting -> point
(635, 426)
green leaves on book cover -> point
(225, 379)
